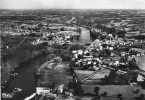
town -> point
(72, 54)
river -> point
(85, 35)
(26, 80)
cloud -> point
(76, 4)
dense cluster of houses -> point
(109, 52)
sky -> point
(72, 4)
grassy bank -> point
(14, 53)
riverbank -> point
(15, 57)
(26, 79)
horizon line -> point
(74, 9)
